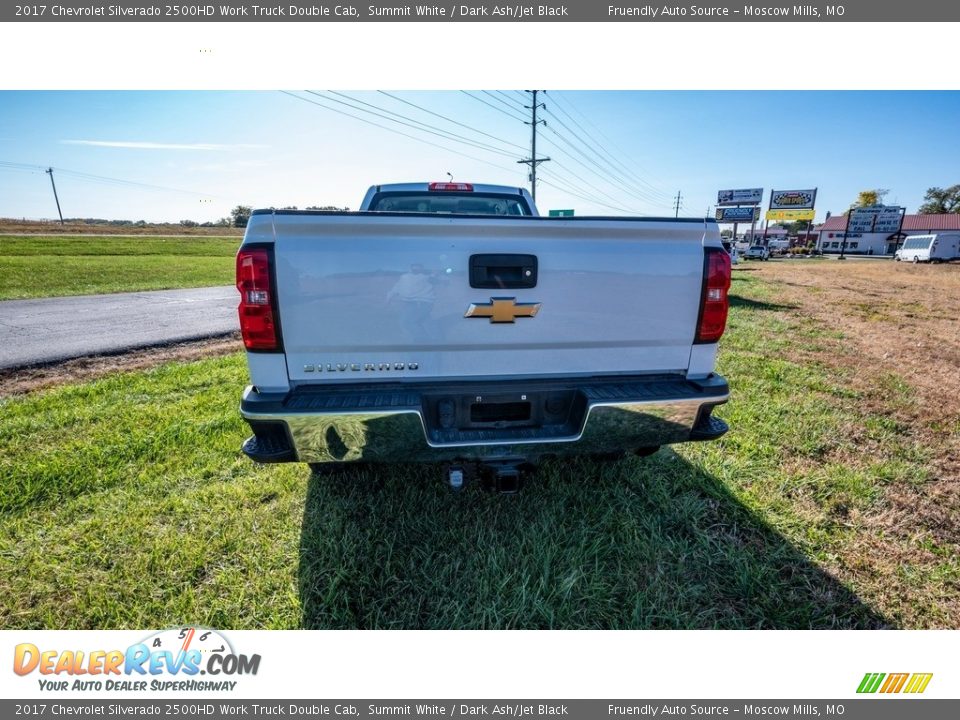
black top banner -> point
(477, 11)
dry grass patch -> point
(24, 380)
(896, 345)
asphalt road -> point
(48, 330)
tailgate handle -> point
(503, 271)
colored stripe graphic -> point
(918, 682)
(894, 682)
(870, 682)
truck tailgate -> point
(384, 297)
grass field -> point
(14, 226)
(124, 502)
(49, 266)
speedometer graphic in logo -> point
(184, 639)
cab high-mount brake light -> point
(449, 187)
(714, 302)
(257, 301)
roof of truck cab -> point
(496, 218)
(425, 187)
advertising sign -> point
(793, 199)
(889, 220)
(790, 215)
(738, 214)
(875, 219)
(747, 196)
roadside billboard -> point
(790, 215)
(746, 196)
(889, 220)
(793, 199)
(875, 219)
(738, 214)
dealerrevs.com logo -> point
(172, 659)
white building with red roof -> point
(831, 234)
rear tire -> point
(915, 259)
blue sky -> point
(204, 152)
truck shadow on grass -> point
(639, 543)
(738, 301)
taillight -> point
(257, 316)
(713, 300)
(450, 186)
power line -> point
(493, 107)
(583, 197)
(102, 179)
(639, 178)
(612, 173)
(412, 123)
(579, 192)
(512, 105)
(593, 170)
(562, 100)
(396, 132)
(509, 100)
(603, 150)
(583, 181)
(455, 122)
(557, 181)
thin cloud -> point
(143, 145)
(227, 166)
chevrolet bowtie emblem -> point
(502, 310)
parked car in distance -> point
(778, 247)
(937, 247)
(757, 252)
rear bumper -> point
(440, 421)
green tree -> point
(240, 215)
(941, 200)
(328, 207)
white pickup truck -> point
(449, 322)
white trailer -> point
(936, 247)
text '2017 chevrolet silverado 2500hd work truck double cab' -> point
(448, 322)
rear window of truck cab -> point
(449, 203)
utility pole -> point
(676, 205)
(533, 160)
(52, 183)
